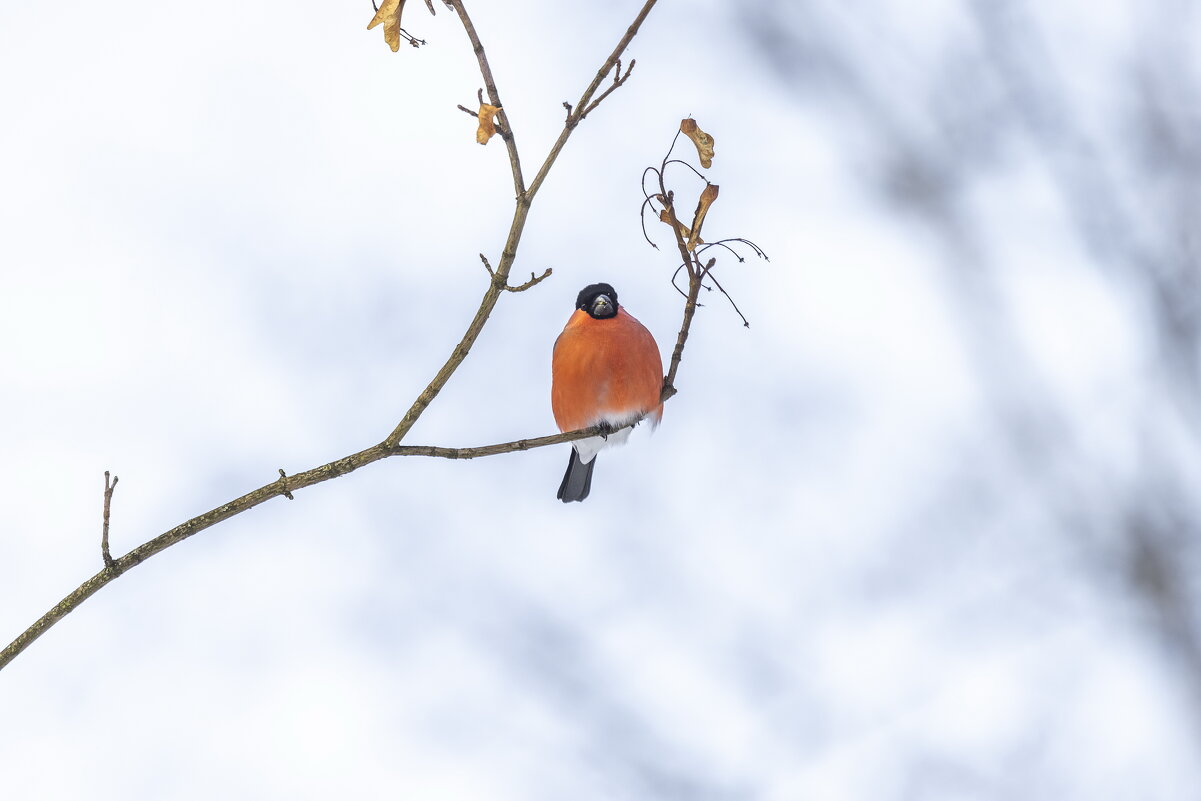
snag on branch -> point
(105, 554)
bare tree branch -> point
(285, 485)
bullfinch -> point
(605, 369)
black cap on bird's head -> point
(599, 300)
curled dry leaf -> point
(487, 127)
(702, 140)
(389, 15)
(702, 208)
(685, 234)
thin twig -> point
(574, 118)
(618, 80)
(411, 39)
(650, 201)
(724, 243)
(674, 276)
(530, 283)
(709, 274)
(721, 244)
(645, 193)
(108, 500)
(695, 171)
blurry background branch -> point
(954, 123)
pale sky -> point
(242, 238)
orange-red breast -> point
(605, 369)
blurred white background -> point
(925, 530)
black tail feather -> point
(577, 481)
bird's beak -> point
(601, 304)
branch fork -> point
(503, 283)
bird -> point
(606, 370)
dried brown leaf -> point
(685, 234)
(702, 140)
(708, 195)
(487, 115)
(389, 15)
